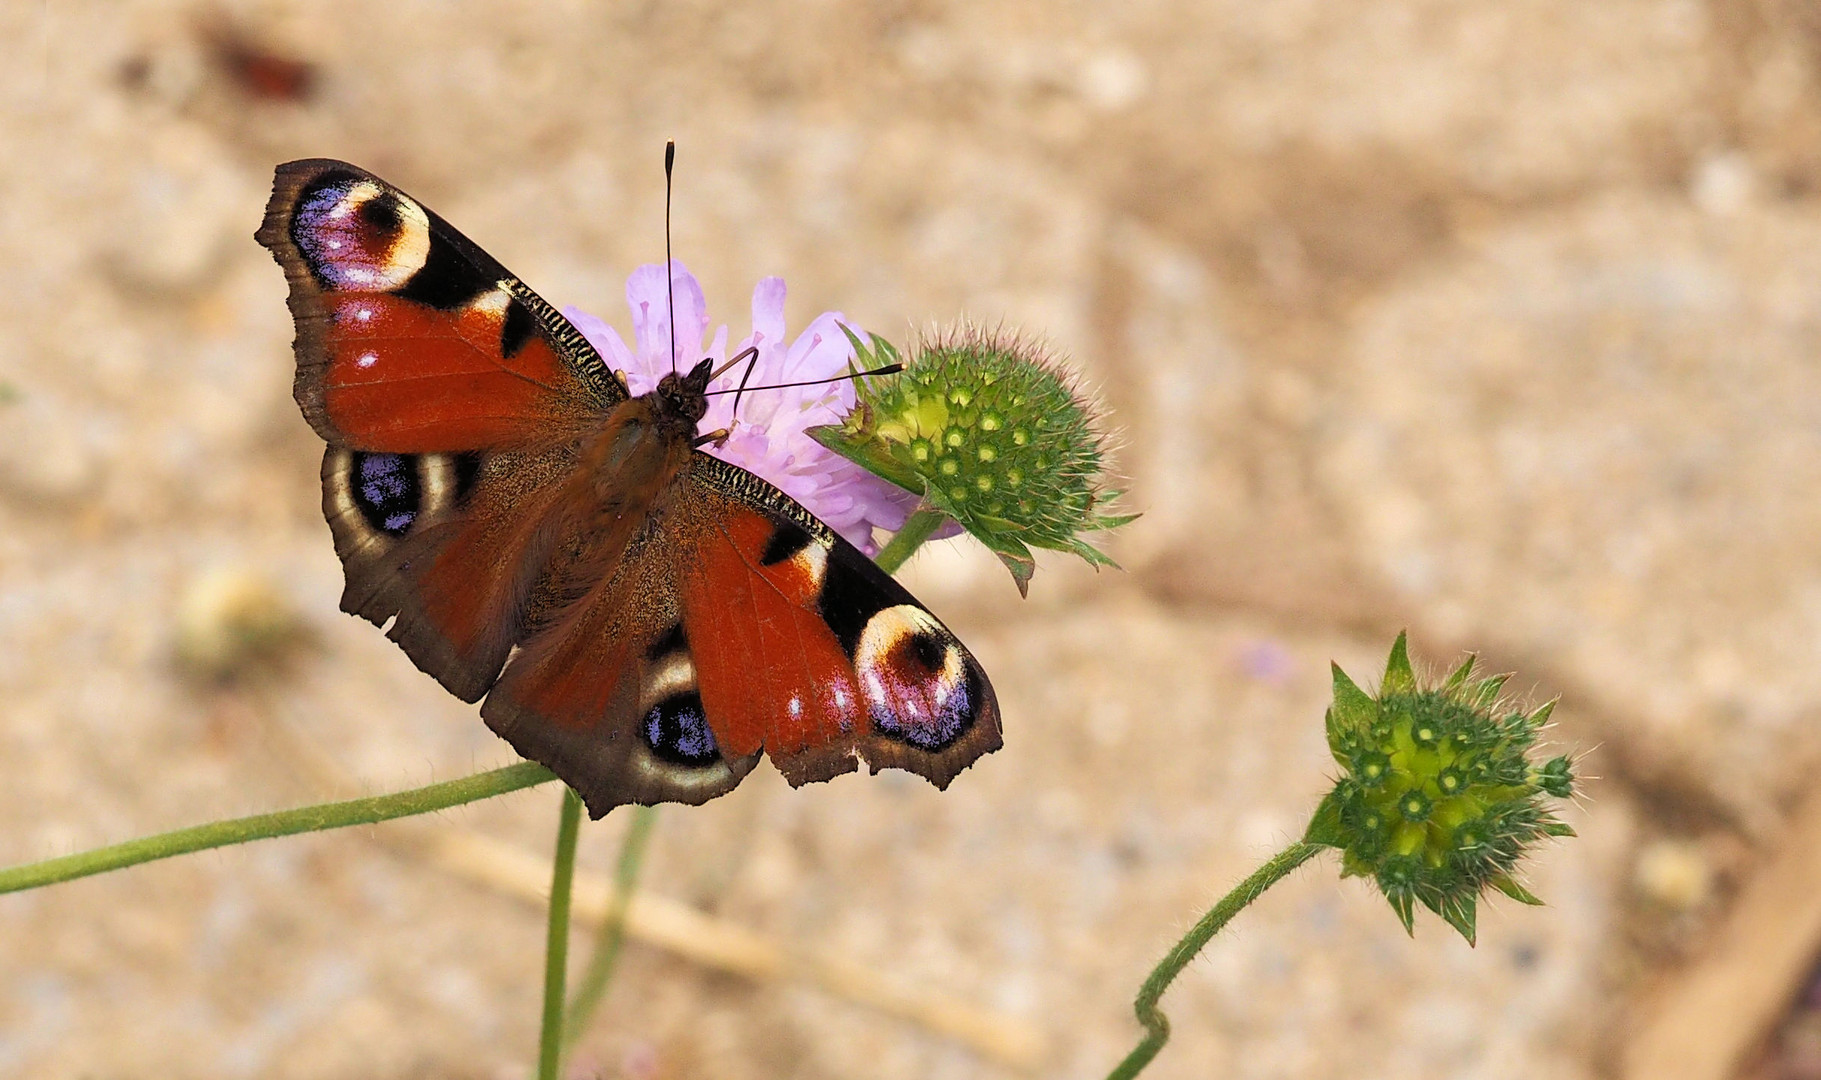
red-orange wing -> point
(410, 338)
(740, 624)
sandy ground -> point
(1492, 320)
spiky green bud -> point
(991, 435)
(1438, 799)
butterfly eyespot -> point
(387, 490)
(357, 236)
(919, 687)
(676, 729)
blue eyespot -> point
(677, 731)
(386, 490)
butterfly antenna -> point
(889, 369)
(670, 291)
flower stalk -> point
(1156, 1024)
(612, 939)
(335, 815)
(556, 940)
(904, 543)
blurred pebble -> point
(1674, 873)
(1799, 1055)
(231, 619)
(1267, 661)
(189, 202)
(1113, 81)
(45, 457)
(641, 1061)
(1723, 184)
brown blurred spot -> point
(258, 70)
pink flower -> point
(768, 437)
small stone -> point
(1676, 874)
(231, 619)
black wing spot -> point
(853, 591)
(467, 474)
(672, 641)
(929, 651)
(382, 213)
(677, 731)
(447, 280)
(786, 540)
(387, 490)
(516, 329)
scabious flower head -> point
(993, 435)
(1438, 797)
(769, 437)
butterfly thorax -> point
(637, 456)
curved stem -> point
(335, 815)
(556, 940)
(613, 927)
(918, 528)
(1156, 1024)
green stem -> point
(556, 940)
(1156, 1024)
(335, 815)
(613, 927)
(920, 527)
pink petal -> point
(605, 339)
(646, 296)
(768, 312)
(822, 350)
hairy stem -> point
(1156, 1024)
(920, 527)
(613, 928)
(335, 815)
(556, 941)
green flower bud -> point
(990, 434)
(1438, 798)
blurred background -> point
(1494, 320)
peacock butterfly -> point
(643, 618)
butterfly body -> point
(642, 617)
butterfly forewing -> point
(410, 338)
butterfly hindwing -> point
(410, 338)
(739, 624)
(447, 548)
(836, 663)
(606, 695)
